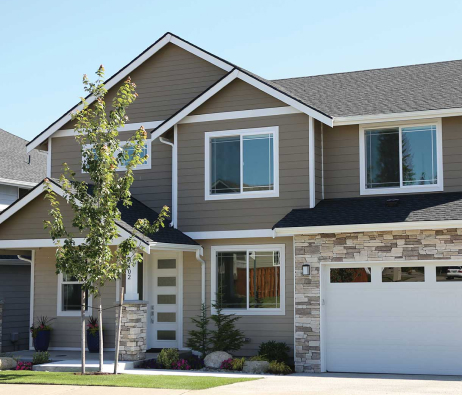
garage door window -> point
(448, 273)
(403, 274)
(350, 275)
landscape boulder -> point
(214, 359)
(255, 367)
(7, 363)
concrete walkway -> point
(325, 384)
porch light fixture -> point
(306, 269)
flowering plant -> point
(93, 325)
(43, 324)
(227, 364)
(24, 365)
(181, 364)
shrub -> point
(198, 339)
(181, 364)
(279, 368)
(150, 364)
(259, 358)
(227, 364)
(195, 362)
(274, 351)
(167, 357)
(238, 364)
(40, 357)
(24, 365)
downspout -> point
(200, 252)
(174, 175)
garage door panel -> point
(393, 327)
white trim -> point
(125, 128)
(200, 53)
(74, 349)
(73, 313)
(17, 183)
(49, 158)
(417, 225)
(397, 116)
(262, 247)
(322, 320)
(42, 243)
(179, 335)
(322, 158)
(171, 246)
(230, 234)
(227, 115)
(402, 189)
(274, 130)
(127, 70)
(32, 297)
(175, 177)
(311, 159)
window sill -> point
(395, 191)
(72, 313)
(245, 195)
(253, 312)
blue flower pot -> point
(92, 342)
(42, 340)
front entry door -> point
(164, 311)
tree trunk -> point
(82, 316)
(100, 330)
(119, 324)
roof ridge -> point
(366, 70)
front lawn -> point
(120, 380)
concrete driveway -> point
(325, 384)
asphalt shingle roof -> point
(371, 210)
(381, 91)
(14, 160)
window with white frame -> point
(249, 279)
(146, 150)
(69, 295)
(242, 163)
(401, 158)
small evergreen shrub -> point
(279, 368)
(198, 339)
(195, 362)
(167, 357)
(150, 364)
(227, 364)
(181, 364)
(238, 364)
(274, 351)
(40, 357)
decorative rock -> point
(7, 363)
(214, 359)
(255, 367)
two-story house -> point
(327, 210)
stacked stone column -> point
(133, 331)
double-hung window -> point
(242, 163)
(69, 296)
(249, 280)
(401, 159)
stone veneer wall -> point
(133, 331)
(445, 244)
(1, 324)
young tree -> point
(199, 338)
(97, 261)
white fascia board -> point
(230, 234)
(312, 164)
(401, 116)
(417, 225)
(221, 116)
(286, 99)
(171, 246)
(196, 103)
(17, 183)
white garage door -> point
(385, 319)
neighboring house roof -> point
(377, 210)
(421, 87)
(18, 165)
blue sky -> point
(46, 46)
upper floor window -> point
(146, 164)
(242, 164)
(401, 159)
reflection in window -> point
(449, 273)
(350, 275)
(264, 284)
(226, 168)
(403, 274)
(130, 151)
(71, 294)
(232, 275)
(258, 163)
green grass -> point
(120, 380)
